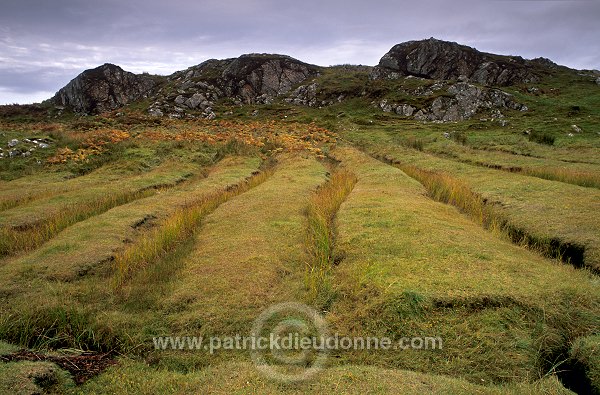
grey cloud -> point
(58, 39)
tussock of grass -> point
(52, 327)
(413, 142)
(16, 239)
(541, 138)
(322, 207)
(460, 137)
(176, 228)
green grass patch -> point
(242, 378)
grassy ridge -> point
(248, 256)
(27, 227)
(47, 184)
(15, 240)
(448, 189)
(87, 245)
(582, 174)
(415, 267)
(581, 178)
(176, 228)
(534, 208)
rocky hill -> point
(453, 82)
(104, 88)
(443, 60)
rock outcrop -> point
(304, 95)
(260, 77)
(461, 101)
(249, 79)
(104, 88)
(443, 60)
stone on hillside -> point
(194, 101)
(187, 85)
(155, 112)
(209, 114)
(385, 106)
(305, 95)
(405, 109)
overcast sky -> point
(46, 43)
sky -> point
(46, 43)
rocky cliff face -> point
(443, 60)
(102, 89)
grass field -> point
(127, 228)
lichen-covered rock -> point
(104, 88)
(155, 112)
(443, 60)
(463, 101)
(405, 109)
(196, 100)
(385, 106)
